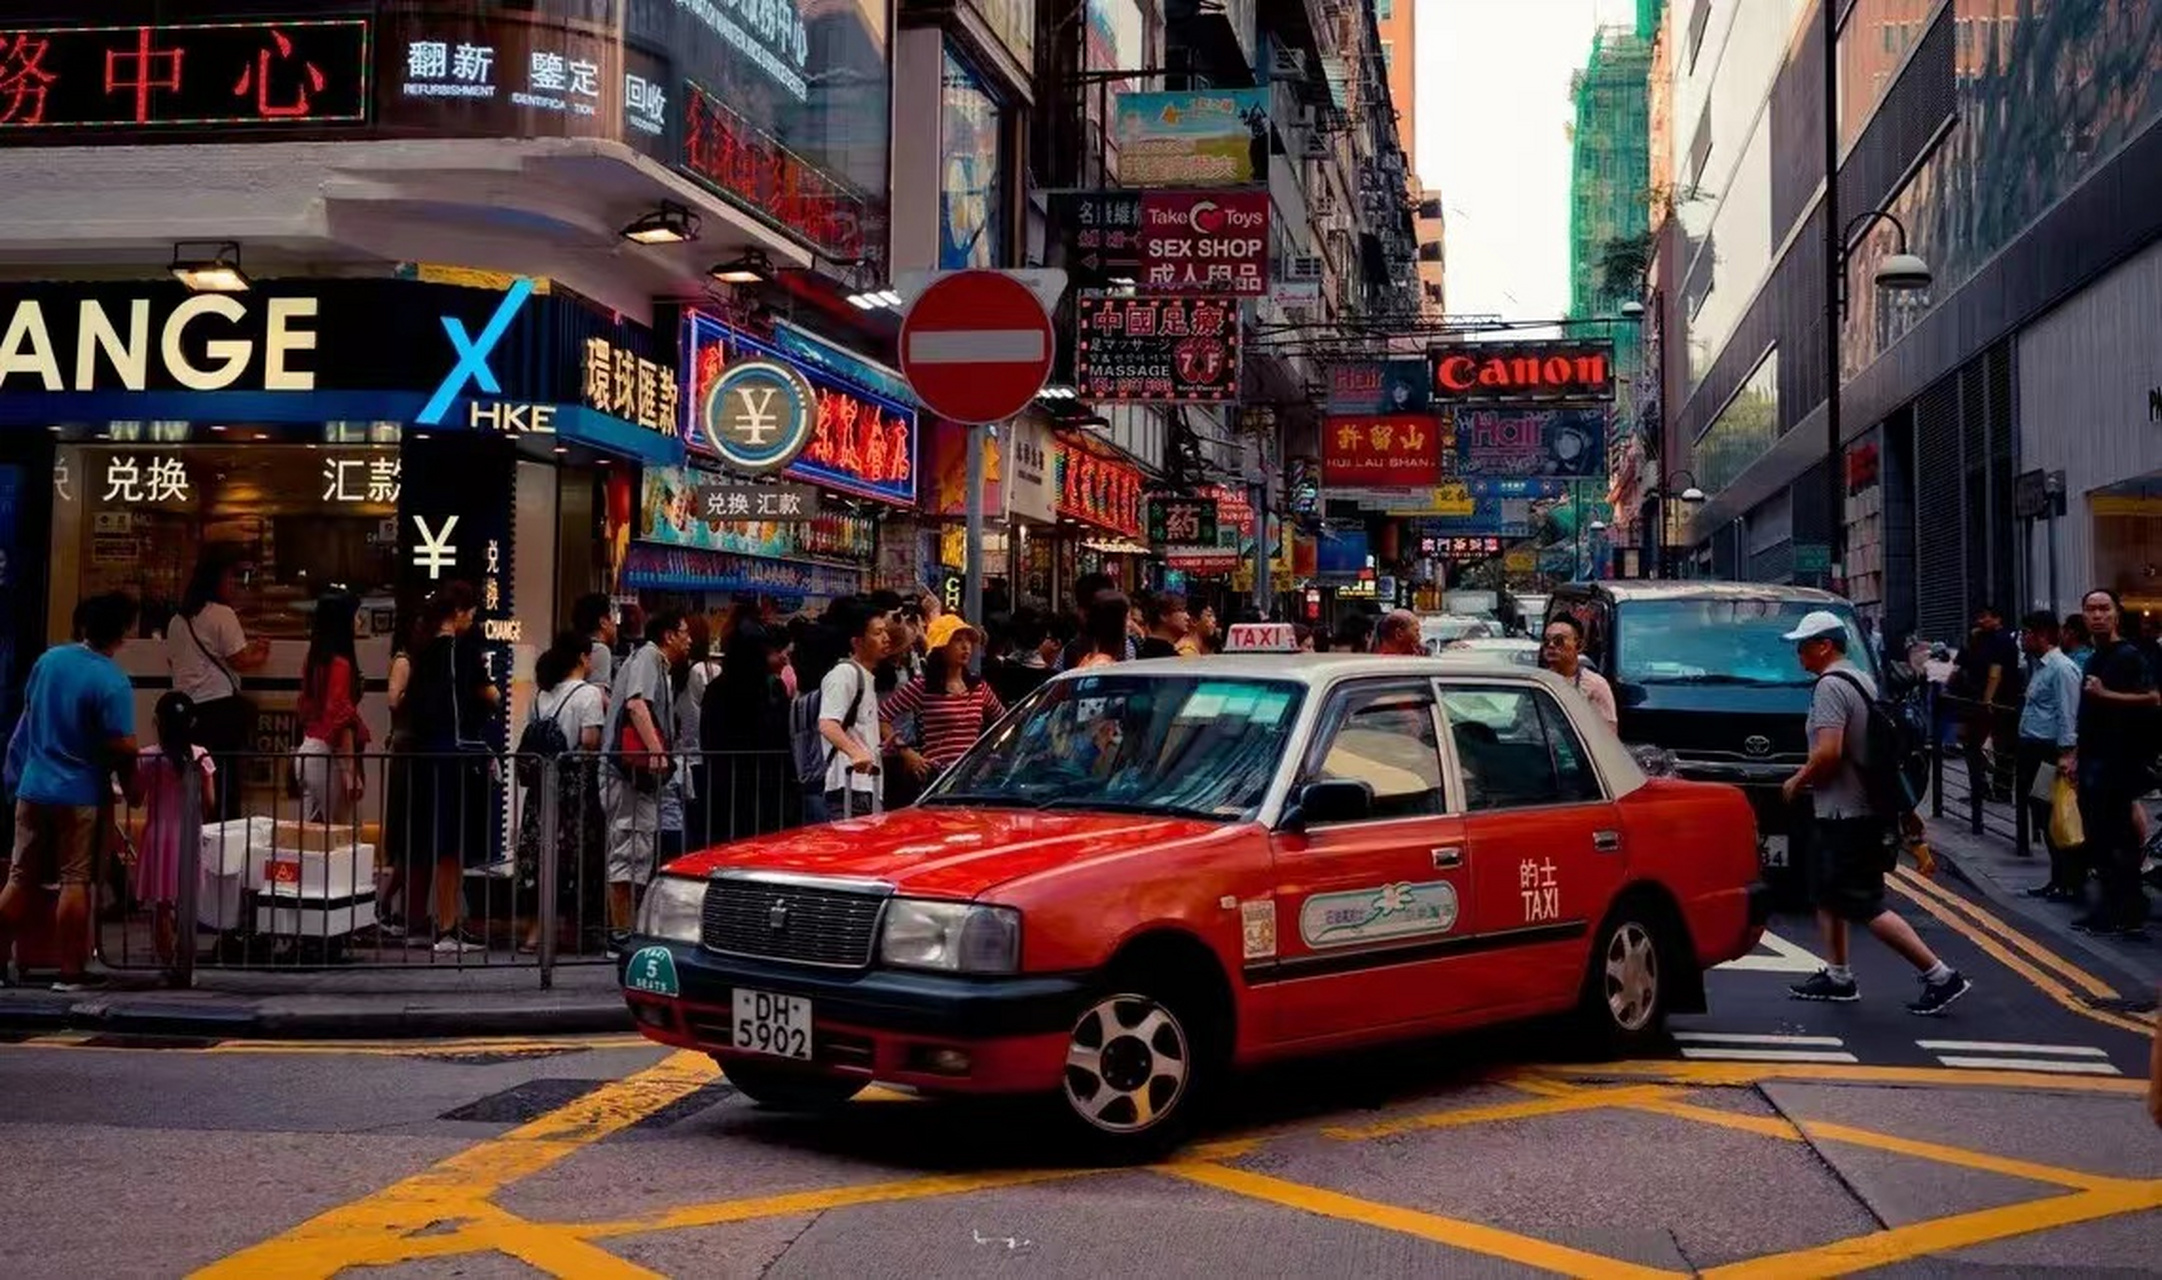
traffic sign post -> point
(976, 347)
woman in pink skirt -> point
(160, 786)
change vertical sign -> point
(976, 346)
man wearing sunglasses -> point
(1562, 653)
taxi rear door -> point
(1369, 912)
(1543, 838)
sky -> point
(1494, 114)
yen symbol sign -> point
(435, 552)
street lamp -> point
(1690, 496)
(1901, 271)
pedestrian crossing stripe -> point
(1999, 1055)
(1775, 954)
(1738, 1047)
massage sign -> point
(1158, 349)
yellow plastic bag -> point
(2065, 830)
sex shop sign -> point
(1381, 451)
(1102, 490)
(756, 409)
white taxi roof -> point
(1321, 670)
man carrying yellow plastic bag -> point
(2048, 732)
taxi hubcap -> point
(1632, 977)
(1126, 1064)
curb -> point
(240, 1021)
(2143, 974)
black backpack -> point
(1894, 756)
(544, 743)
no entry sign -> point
(976, 346)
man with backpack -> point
(1860, 798)
(833, 729)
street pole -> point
(1257, 497)
(972, 577)
(1835, 271)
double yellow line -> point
(2050, 973)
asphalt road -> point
(1777, 1139)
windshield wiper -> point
(1716, 677)
(1124, 806)
(1000, 800)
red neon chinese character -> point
(144, 61)
(23, 80)
(257, 80)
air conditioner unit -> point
(1323, 202)
(1317, 147)
(1305, 266)
(1287, 64)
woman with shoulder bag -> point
(950, 704)
(208, 651)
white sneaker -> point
(456, 943)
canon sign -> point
(204, 342)
(1497, 371)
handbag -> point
(236, 711)
(2065, 829)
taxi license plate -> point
(772, 1024)
(1775, 851)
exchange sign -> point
(1159, 349)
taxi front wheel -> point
(1623, 1003)
(1135, 1061)
(789, 1088)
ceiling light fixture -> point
(750, 268)
(218, 273)
(671, 223)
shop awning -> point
(576, 424)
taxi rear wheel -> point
(1624, 1003)
(789, 1088)
(1135, 1063)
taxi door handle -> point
(1449, 858)
(1606, 841)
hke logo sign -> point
(473, 354)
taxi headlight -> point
(954, 937)
(671, 909)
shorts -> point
(1847, 861)
(634, 828)
(53, 843)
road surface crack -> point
(775, 1260)
(1830, 1167)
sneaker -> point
(390, 926)
(458, 942)
(617, 945)
(1823, 986)
(1936, 996)
(82, 982)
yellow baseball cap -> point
(944, 628)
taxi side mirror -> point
(1328, 801)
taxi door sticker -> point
(1257, 928)
(1540, 889)
(652, 970)
(1400, 910)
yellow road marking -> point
(342, 1048)
(1734, 1074)
(1584, 1101)
(1942, 1235)
(1455, 1232)
(794, 1203)
(378, 1227)
(2040, 954)
(2042, 982)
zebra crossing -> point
(1970, 1055)
(2000, 1055)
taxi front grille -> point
(774, 921)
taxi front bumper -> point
(934, 1031)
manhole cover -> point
(690, 1104)
(528, 1101)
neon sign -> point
(1524, 371)
(194, 75)
(727, 153)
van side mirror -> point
(1328, 801)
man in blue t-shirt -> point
(77, 727)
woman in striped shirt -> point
(952, 704)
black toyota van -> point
(1700, 671)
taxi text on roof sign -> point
(1261, 637)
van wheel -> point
(1137, 1062)
(1623, 1004)
(789, 1088)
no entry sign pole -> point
(976, 347)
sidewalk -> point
(334, 1004)
(1991, 864)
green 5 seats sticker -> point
(652, 969)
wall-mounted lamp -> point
(671, 223)
(218, 273)
(751, 267)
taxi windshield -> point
(1717, 641)
(1180, 745)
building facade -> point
(2017, 144)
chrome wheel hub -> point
(1126, 1064)
(1632, 977)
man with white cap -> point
(1851, 845)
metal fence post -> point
(544, 908)
(181, 973)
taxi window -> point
(1386, 740)
(1515, 749)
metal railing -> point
(1975, 770)
(410, 860)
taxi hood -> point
(947, 852)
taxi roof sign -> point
(1261, 637)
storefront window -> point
(972, 181)
(307, 519)
(1747, 427)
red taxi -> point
(1151, 873)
